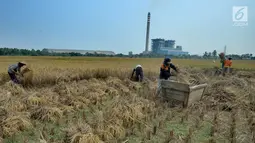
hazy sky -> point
(120, 25)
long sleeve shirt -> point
(165, 71)
(13, 67)
(138, 72)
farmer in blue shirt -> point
(14, 70)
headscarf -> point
(167, 61)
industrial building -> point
(161, 46)
(80, 51)
(166, 47)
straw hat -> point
(22, 62)
(26, 65)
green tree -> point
(209, 54)
(214, 53)
(205, 55)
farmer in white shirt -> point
(14, 70)
(138, 70)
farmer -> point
(227, 66)
(165, 72)
(222, 59)
(14, 70)
(138, 70)
(228, 63)
(165, 69)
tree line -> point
(44, 52)
(214, 55)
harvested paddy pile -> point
(78, 106)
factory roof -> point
(81, 51)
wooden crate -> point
(184, 93)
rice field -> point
(124, 63)
(92, 100)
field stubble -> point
(103, 105)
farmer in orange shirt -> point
(165, 73)
(165, 69)
(227, 65)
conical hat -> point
(23, 62)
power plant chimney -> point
(225, 50)
(147, 32)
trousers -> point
(13, 78)
(159, 86)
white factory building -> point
(80, 51)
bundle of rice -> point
(81, 132)
(14, 124)
(27, 75)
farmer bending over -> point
(165, 69)
(138, 70)
(14, 70)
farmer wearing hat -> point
(165, 72)
(14, 70)
(138, 70)
(165, 69)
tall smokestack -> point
(225, 50)
(147, 32)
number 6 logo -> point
(240, 13)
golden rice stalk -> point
(112, 113)
(27, 74)
(14, 124)
(116, 130)
(14, 89)
(112, 92)
(79, 127)
(15, 105)
(94, 97)
(3, 113)
(4, 77)
(242, 130)
(104, 135)
(127, 118)
(85, 138)
(117, 83)
(224, 126)
(81, 132)
(132, 85)
(50, 96)
(35, 100)
(47, 113)
(136, 111)
(66, 109)
(76, 104)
